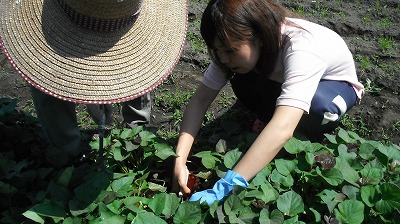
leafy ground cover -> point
(353, 177)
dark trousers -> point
(59, 122)
(331, 100)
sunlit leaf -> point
(285, 167)
(122, 186)
(146, 137)
(207, 159)
(276, 177)
(157, 187)
(350, 211)
(344, 136)
(294, 146)
(145, 217)
(204, 174)
(45, 210)
(348, 173)
(115, 219)
(371, 174)
(231, 158)
(290, 203)
(163, 151)
(165, 204)
(333, 176)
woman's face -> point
(242, 60)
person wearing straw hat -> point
(94, 52)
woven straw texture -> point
(71, 63)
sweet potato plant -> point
(345, 179)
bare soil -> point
(361, 23)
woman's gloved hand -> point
(222, 188)
(97, 111)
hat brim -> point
(71, 63)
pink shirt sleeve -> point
(215, 77)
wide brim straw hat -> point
(93, 51)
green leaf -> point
(126, 134)
(157, 187)
(331, 198)
(276, 217)
(371, 175)
(233, 205)
(350, 211)
(129, 146)
(390, 151)
(33, 216)
(231, 158)
(366, 151)
(114, 207)
(122, 186)
(6, 188)
(247, 215)
(266, 193)
(350, 191)
(294, 146)
(285, 167)
(261, 177)
(65, 176)
(390, 199)
(331, 138)
(165, 204)
(221, 146)
(207, 159)
(145, 217)
(342, 134)
(116, 219)
(96, 144)
(89, 190)
(118, 154)
(136, 204)
(317, 215)
(310, 158)
(45, 210)
(188, 213)
(146, 137)
(77, 207)
(287, 181)
(163, 151)
(348, 173)
(369, 195)
(290, 203)
(333, 176)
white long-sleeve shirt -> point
(307, 56)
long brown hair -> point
(233, 21)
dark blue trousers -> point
(331, 101)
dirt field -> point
(370, 28)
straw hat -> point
(93, 51)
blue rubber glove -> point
(222, 188)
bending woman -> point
(292, 73)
